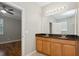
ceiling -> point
(17, 12)
(41, 4)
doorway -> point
(10, 30)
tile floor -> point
(37, 54)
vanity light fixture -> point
(55, 11)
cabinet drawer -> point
(40, 38)
(69, 42)
(64, 41)
(46, 39)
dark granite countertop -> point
(59, 36)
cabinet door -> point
(68, 50)
(46, 47)
(39, 45)
(56, 49)
(52, 48)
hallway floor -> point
(11, 49)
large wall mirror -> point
(63, 23)
(60, 20)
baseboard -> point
(30, 54)
(9, 41)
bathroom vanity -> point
(55, 45)
(58, 21)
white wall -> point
(45, 25)
(31, 24)
(77, 20)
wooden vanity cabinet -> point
(61, 47)
(43, 45)
(46, 46)
(68, 50)
(69, 47)
(57, 47)
(39, 44)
